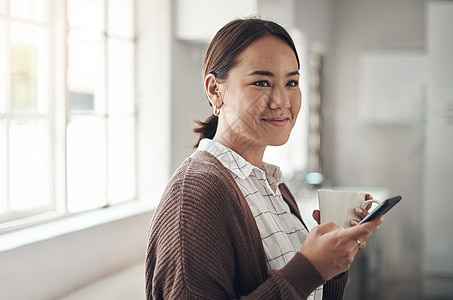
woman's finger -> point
(316, 215)
(362, 245)
(360, 212)
(368, 197)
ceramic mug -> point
(338, 206)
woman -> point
(226, 226)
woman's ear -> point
(211, 88)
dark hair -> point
(223, 51)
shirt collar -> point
(237, 164)
(273, 174)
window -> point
(67, 112)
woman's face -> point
(261, 96)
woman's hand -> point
(331, 249)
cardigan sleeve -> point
(334, 288)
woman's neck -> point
(251, 152)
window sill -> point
(55, 228)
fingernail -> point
(358, 210)
(381, 218)
(354, 222)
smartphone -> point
(381, 209)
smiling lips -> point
(276, 121)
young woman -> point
(227, 227)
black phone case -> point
(382, 209)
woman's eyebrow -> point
(267, 73)
(263, 73)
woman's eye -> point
(262, 83)
(293, 83)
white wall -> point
(438, 173)
(356, 154)
(188, 98)
(314, 18)
(53, 267)
(154, 84)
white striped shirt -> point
(281, 232)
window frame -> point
(58, 116)
(8, 116)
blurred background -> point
(97, 99)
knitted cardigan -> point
(204, 243)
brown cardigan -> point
(204, 243)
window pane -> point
(86, 73)
(86, 165)
(121, 159)
(29, 65)
(86, 14)
(2, 6)
(35, 10)
(121, 18)
(29, 164)
(120, 77)
(2, 66)
(3, 189)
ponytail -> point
(206, 129)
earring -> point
(216, 111)
(216, 87)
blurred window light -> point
(86, 165)
(29, 61)
(86, 14)
(29, 161)
(31, 10)
(314, 178)
(67, 107)
(2, 6)
(86, 71)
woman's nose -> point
(279, 98)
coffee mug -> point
(338, 206)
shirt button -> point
(284, 216)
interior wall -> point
(154, 89)
(54, 267)
(390, 156)
(438, 165)
(314, 18)
(188, 99)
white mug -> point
(338, 206)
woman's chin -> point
(278, 142)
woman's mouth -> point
(276, 121)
